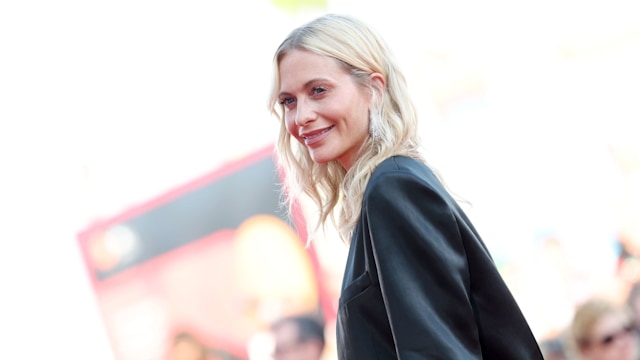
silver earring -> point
(375, 124)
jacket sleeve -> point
(421, 266)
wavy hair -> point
(393, 120)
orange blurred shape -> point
(273, 269)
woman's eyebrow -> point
(305, 85)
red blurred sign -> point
(217, 259)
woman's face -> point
(325, 109)
(612, 338)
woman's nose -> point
(304, 114)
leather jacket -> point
(419, 282)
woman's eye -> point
(286, 101)
(318, 90)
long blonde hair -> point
(393, 121)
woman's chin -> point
(320, 158)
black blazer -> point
(419, 282)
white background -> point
(106, 104)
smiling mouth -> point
(314, 135)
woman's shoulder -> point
(400, 169)
(398, 165)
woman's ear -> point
(377, 86)
(377, 82)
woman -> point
(602, 330)
(419, 282)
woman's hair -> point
(585, 318)
(392, 128)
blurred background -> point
(138, 196)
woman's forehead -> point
(300, 67)
(308, 60)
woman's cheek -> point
(290, 124)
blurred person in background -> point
(419, 282)
(298, 338)
(603, 330)
(633, 303)
(554, 349)
(186, 346)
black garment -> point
(419, 282)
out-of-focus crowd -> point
(602, 328)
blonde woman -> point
(419, 282)
(603, 330)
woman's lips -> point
(314, 137)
